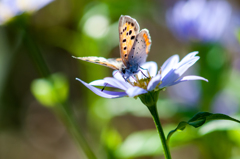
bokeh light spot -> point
(96, 26)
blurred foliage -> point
(36, 63)
(238, 35)
(142, 143)
(200, 119)
(51, 91)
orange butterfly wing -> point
(128, 30)
(134, 47)
(140, 49)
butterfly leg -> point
(143, 68)
(104, 87)
(147, 72)
(134, 78)
(116, 73)
(125, 78)
(144, 74)
(142, 71)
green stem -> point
(73, 128)
(36, 56)
(153, 111)
(62, 110)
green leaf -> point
(52, 90)
(198, 120)
(139, 144)
(217, 125)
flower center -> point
(142, 83)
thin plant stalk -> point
(62, 110)
(154, 113)
(64, 113)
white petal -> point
(177, 71)
(150, 67)
(98, 83)
(169, 64)
(183, 79)
(189, 78)
(134, 91)
(105, 94)
(101, 83)
(116, 74)
(184, 66)
(116, 83)
(187, 58)
(173, 75)
(169, 79)
(154, 82)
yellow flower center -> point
(143, 83)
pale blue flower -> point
(225, 101)
(11, 8)
(199, 20)
(170, 74)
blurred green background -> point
(37, 72)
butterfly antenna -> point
(143, 68)
(134, 78)
(144, 74)
(116, 73)
(104, 87)
(142, 71)
(125, 78)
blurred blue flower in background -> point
(186, 94)
(199, 20)
(169, 74)
(225, 102)
(11, 8)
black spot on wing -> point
(124, 40)
(132, 37)
(130, 32)
(125, 48)
(125, 55)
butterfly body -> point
(134, 48)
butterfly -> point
(134, 48)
